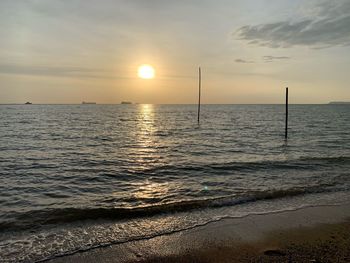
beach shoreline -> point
(311, 234)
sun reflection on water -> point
(146, 119)
(151, 192)
(146, 154)
(147, 157)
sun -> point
(146, 71)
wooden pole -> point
(199, 92)
(286, 128)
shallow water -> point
(74, 177)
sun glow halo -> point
(145, 72)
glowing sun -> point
(145, 72)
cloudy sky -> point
(68, 51)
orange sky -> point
(249, 51)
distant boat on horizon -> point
(126, 102)
(28, 103)
(87, 102)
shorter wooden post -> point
(199, 92)
(286, 126)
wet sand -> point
(314, 234)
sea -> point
(78, 177)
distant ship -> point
(87, 102)
(339, 102)
(28, 103)
(126, 102)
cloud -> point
(327, 27)
(70, 72)
(239, 60)
(274, 58)
(264, 58)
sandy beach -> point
(313, 234)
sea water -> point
(76, 177)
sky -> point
(69, 51)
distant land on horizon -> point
(339, 102)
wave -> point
(335, 159)
(302, 163)
(38, 218)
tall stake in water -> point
(199, 92)
(286, 128)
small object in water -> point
(126, 102)
(28, 103)
(84, 102)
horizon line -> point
(325, 103)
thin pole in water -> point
(199, 92)
(286, 128)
